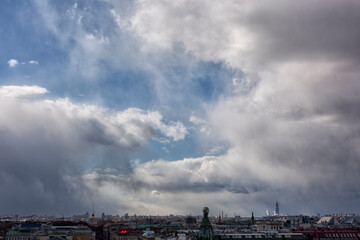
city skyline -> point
(168, 106)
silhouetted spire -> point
(93, 212)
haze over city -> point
(164, 107)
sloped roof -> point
(325, 220)
(352, 220)
(30, 226)
(17, 233)
(328, 221)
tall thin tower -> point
(93, 212)
(277, 211)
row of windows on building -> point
(339, 235)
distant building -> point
(269, 225)
(23, 231)
(84, 216)
(18, 235)
(41, 232)
(353, 221)
(277, 211)
(252, 219)
(259, 236)
(328, 221)
(190, 221)
(121, 233)
(330, 234)
(298, 221)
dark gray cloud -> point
(32, 175)
(247, 33)
(305, 30)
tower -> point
(252, 219)
(92, 219)
(206, 230)
(93, 213)
(277, 211)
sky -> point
(164, 107)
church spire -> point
(93, 212)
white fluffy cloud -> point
(13, 62)
(128, 128)
(33, 62)
(213, 31)
(13, 91)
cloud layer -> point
(291, 120)
(269, 87)
(45, 141)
